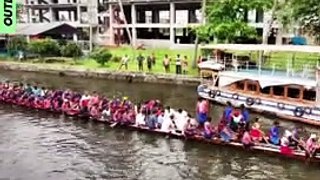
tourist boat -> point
(263, 148)
(287, 94)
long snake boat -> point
(262, 148)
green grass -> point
(88, 63)
(159, 54)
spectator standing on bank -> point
(178, 64)
(149, 63)
(153, 57)
(124, 62)
(166, 63)
(140, 60)
(185, 65)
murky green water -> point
(37, 145)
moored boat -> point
(287, 94)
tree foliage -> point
(101, 55)
(307, 13)
(44, 47)
(227, 19)
(71, 49)
(15, 44)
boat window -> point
(251, 87)
(309, 95)
(278, 90)
(240, 85)
(265, 90)
(293, 92)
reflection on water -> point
(37, 145)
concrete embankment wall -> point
(97, 73)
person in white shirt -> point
(124, 62)
(140, 119)
(180, 119)
(168, 124)
(168, 112)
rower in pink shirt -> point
(311, 145)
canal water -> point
(38, 145)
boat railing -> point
(306, 71)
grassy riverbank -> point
(117, 53)
(279, 60)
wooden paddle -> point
(113, 124)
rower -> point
(203, 112)
(235, 120)
(208, 129)
(168, 112)
(227, 112)
(295, 140)
(256, 133)
(247, 140)
(180, 119)
(168, 124)
(311, 146)
(151, 120)
(245, 114)
(189, 129)
(284, 143)
(160, 119)
(274, 133)
(140, 119)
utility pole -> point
(203, 18)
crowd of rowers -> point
(234, 124)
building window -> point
(240, 85)
(309, 95)
(259, 16)
(293, 92)
(278, 90)
(265, 90)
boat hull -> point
(310, 115)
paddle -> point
(113, 124)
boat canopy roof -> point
(228, 77)
(261, 47)
(211, 65)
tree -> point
(101, 55)
(71, 49)
(15, 44)
(44, 47)
(307, 14)
(227, 19)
